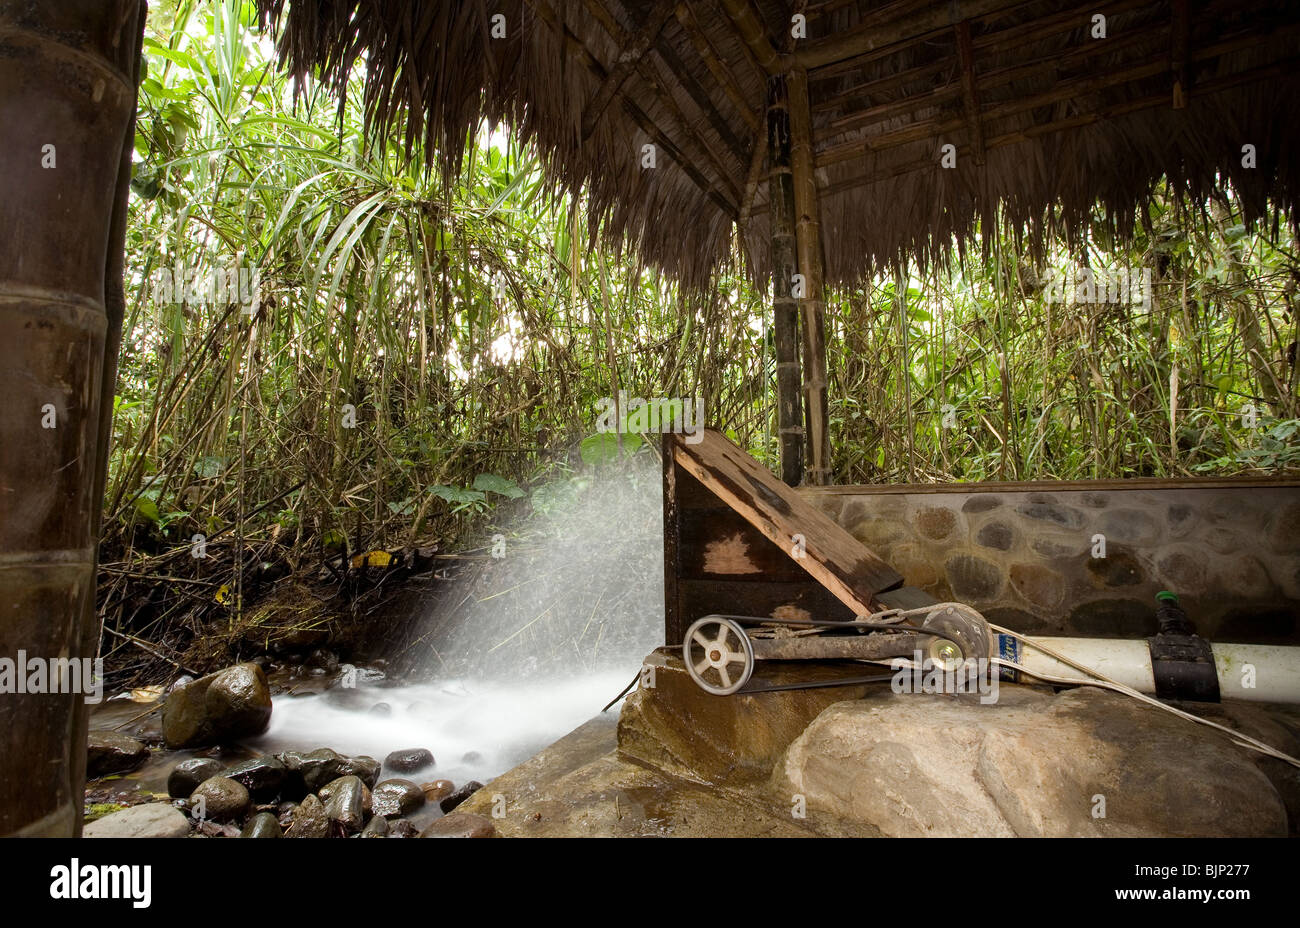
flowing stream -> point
(522, 651)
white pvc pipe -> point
(1258, 673)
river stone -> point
(314, 769)
(224, 800)
(409, 760)
(346, 803)
(396, 797)
(438, 790)
(363, 766)
(459, 796)
(109, 752)
(152, 820)
(188, 774)
(377, 827)
(461, 825)
(262, 825)
(224, 706)
(262, 776)
(1032, 764)
(309, 820)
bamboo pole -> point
(785, 309)
(812, 304)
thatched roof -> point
(1046, 119)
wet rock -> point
(188, 774)
(438, 790)
(1031, 764)
(152, 820)
(309, 820)
(262, 776)
(461, 825)
(313, 769)
(381, 709)
(220, 799)
(409, 760)
(224, 706)
(402, 828)
(325, 660)
(459, 796)
(471, 757)
(377, 827)
(109, 752)
(284, 813)
(262, 825)
(363, 766)
(346, 803)
(396, 797)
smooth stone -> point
(363, 766)
(309, 820)
(109, 752)
(396, 797)
(377, 827)
(346, 803)
(224, 706)
(461, 825)
(262, 776)
(438, 790)
(153, 820)
(223, 799)
(188, 774)
(262, 825)
(459, 796)
(409, 760)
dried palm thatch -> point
(1046, 119)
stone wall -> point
(1023, 554)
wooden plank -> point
(674, 629)
(833, 557)
(718, 543)
(805, 599)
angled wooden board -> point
(839, 562)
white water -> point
(521, 652)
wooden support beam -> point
(785, 309)
(1178, 54)
(933, 19)
(970, 93)
(717, 67)
(628, 58)
(812, 304)
(754, 36)
(639, 116)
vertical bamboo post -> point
(812, 302)
(785, 309)
(67, 97)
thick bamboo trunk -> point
(812, 304)
(67, 98)
(785, 308)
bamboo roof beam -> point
(931, 20)
(753, 36)
(638, 115)
(629, 57)
(713, 61)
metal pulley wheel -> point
(968, 635)
(718, 655)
